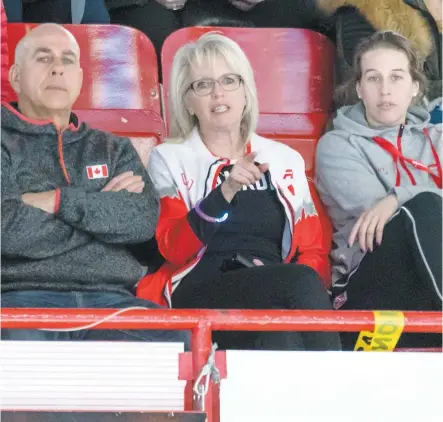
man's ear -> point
(14, 78)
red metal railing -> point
(203, 322)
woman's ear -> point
(415, 88)
(188, 105)
(358, 89)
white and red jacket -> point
(185, 172)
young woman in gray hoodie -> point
(379, 174)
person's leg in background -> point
(285, 14)
(214, 13)
(96, 12)
(59, 11)
(78, 300)
(280, 286)
(42, 11)
(267, 14)
(14, 10)
(36, 299)
(153, 19)
(405, 271)
(124, 301)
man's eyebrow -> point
(48, 50)
(41, 50)
(69, 53)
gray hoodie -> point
(82, 245)
(353, 173)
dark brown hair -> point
(347, 94)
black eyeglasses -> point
(205, 86)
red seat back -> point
(294, 75)
(120, 91)
(145, 128)
(119, 65)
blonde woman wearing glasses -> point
(238, 227)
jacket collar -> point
(13, 119)
(74, 122)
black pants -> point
(278, 286)
(153, 19)
(157, 22)
(268, 14)
(405, 271)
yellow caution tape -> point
(388, 326)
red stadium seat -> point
(119, 63)
(145, 127)
(294, 76)
(120, 91)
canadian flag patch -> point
(99, 171)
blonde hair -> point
(206, 49)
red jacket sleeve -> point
(181, 232)
(313, 235)
(176, 239)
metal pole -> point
(236, 320)
(201, 342)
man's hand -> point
(42, 200)
(372, 222)
(245, 5)
(125, 181)
(172, 4)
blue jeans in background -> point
(51, 299)
(14, 10)
(58, 11)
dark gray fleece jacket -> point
(82, 245)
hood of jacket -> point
(352, 120)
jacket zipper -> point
(61, 158)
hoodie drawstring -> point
(398, 156)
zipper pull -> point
(400, 131)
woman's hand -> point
(243, 173)
(372, 223)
